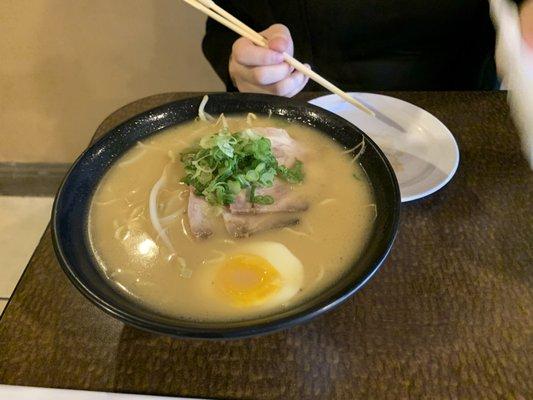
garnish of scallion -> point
(224, 164)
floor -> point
(22, 223)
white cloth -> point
(514, 59)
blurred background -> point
(66, 65)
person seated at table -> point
(360, 45)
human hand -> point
(262, 70)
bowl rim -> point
(248, 328)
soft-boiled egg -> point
(258, 274)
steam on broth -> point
(194, 251)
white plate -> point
(37, 393)
(421, 150)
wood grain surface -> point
(449, 315)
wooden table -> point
(449, 315)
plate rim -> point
(444, 129)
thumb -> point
(279, 38)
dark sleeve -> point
(216, 47)
(218, 39)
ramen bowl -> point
(72, 204)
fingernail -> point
(278, 43)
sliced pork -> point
(285, 200)
(243, 218)
(200, 216)
(285, 149)
(240, 226)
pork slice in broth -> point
(285, 200)
(241, 205)
(285, 148)
(242, 218)
(240, 226)
(200, 215)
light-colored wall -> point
(66, 64)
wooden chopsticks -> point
(209, 8)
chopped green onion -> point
(294, 174)
(263, 200)
(224, 164)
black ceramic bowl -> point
(72, 203)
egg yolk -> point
(247, 279)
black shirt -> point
(374, 45)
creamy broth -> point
(176, 278)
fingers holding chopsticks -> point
(258, 69)
(298, 82)
(288, 87)
(278, 39)
(248, 54)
